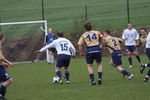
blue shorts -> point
(63, 60)
(148, 53)
(116, 58)
(4, 76)
(90, 57)
(130, 48)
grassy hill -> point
(68, 15)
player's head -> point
(130, 26)
(143, 31)
(2, 37)
(50, 31)
(60, 34)
(106, 33)
(87, 26)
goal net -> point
(22, 39)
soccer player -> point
(142, 40)
(112, 43)
(49, 39)
(147, 77)
(65, 50)
(91, 39)
(5, 78)
(130, 36)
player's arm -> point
(72, 49)
(138, 44)
(6, 62)
(124, 37)
(45, 47)
(80, 43)
(137, 36)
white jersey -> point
(148, 41)
(62, 45)
(131, 35)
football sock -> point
(52, 57)
(2, 90)
(139, 60)
(91, 77)
(59, 74)
(125, 72)
(147, 65)
(67, 75)
(130, 60)
(100, 75)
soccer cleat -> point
(130, 66)
(92, 83)
(99, 81)
(146, 79)
(130, 77)
(68, 82)
(142, 68)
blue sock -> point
(125, 72)
(91, 77)
(138, 58)
(130, 60)
(100, 75)
(67, 75)
(59, 74)
(2, 90)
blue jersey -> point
(50, 38)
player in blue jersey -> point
(49, 39)
(5, 78)
(91, 39)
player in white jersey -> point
(130, 36)
(65, 50)
(147, 77)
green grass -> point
(33, 82)
(62, 15)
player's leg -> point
(67, 75)
(116, 58)
(98, 59)
(89, 60)
(6, 80)
(130, 59)
(66, 64)
(135, 52)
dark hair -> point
(1, 35)
(107, 31)
(88, 26)
(60, 34)
(144, 29)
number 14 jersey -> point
(91, 39)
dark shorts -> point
(130, 48)
(4, 76)
(116, 58)
(52, 49)
(90, 57)
(63, 60)
(148, 53)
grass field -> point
(62, 16)
(33, 82)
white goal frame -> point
(44, 22)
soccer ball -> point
(55, 79)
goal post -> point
(43, 22)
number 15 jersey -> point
(91, 39)
(62, 45)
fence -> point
(65, 17)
